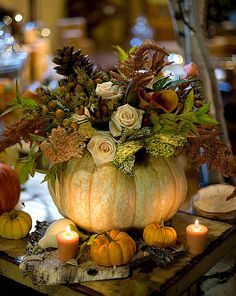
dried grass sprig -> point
(148, 59)
(208, 148)
(21, 130)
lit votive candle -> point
(67, 243)
(196, 235)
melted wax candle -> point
(196, 235)
(67, 242)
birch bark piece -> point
(47, 269)
(211, 202)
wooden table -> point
(169, 280)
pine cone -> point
(68, 60)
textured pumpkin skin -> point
(101, 198)
(9, 188)
(15, 224)
(117, 252)
(163, 237)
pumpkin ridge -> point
(16, 229)
(8, 225)
(21, 227)
(172, 167)
(70, 205)
(89, 194)
(115, 253)
(174, 236)
(177, 185)
(2, 224)
(56, 192)
(113, 198)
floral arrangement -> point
(121, 116)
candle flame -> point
(68, 228)
(196, 223)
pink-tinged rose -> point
(125, 116)
(191, 70)
(102, 147)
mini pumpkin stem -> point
(13, 214)
(107, 236)
(162, 223)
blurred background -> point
(32, 30)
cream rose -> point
(108, 91)
(81, 118)
(102, 147)
(125, 116)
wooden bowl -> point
(211, 202)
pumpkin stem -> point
(107, 236)
(162, 223)
(13, 214)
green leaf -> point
(190, 116)
(187, 127)
(155, 121)
(131, 96)
(169, 116)
(22, 102)
(24, 173)
(168, 129)
(188, 104)
(91, 239)
(37, 138)
(207, 119)
(15, 107)
(29, 165)
(174, 83)
(17, 90)
(121, 53)
(203, 109)
(53, 173)
(27, 102)
(159, 84)
(110, 105)
(44, 161)
(157, 127)
(85, 244)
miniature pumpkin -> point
(113, 248)
(9, 189)
(100, 198)
(15, 224)
(159, 235)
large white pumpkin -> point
(101, 198)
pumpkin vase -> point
(101, 198)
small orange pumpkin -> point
(9, 189)
(159, 235)
(113, 248)
(15, 224)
